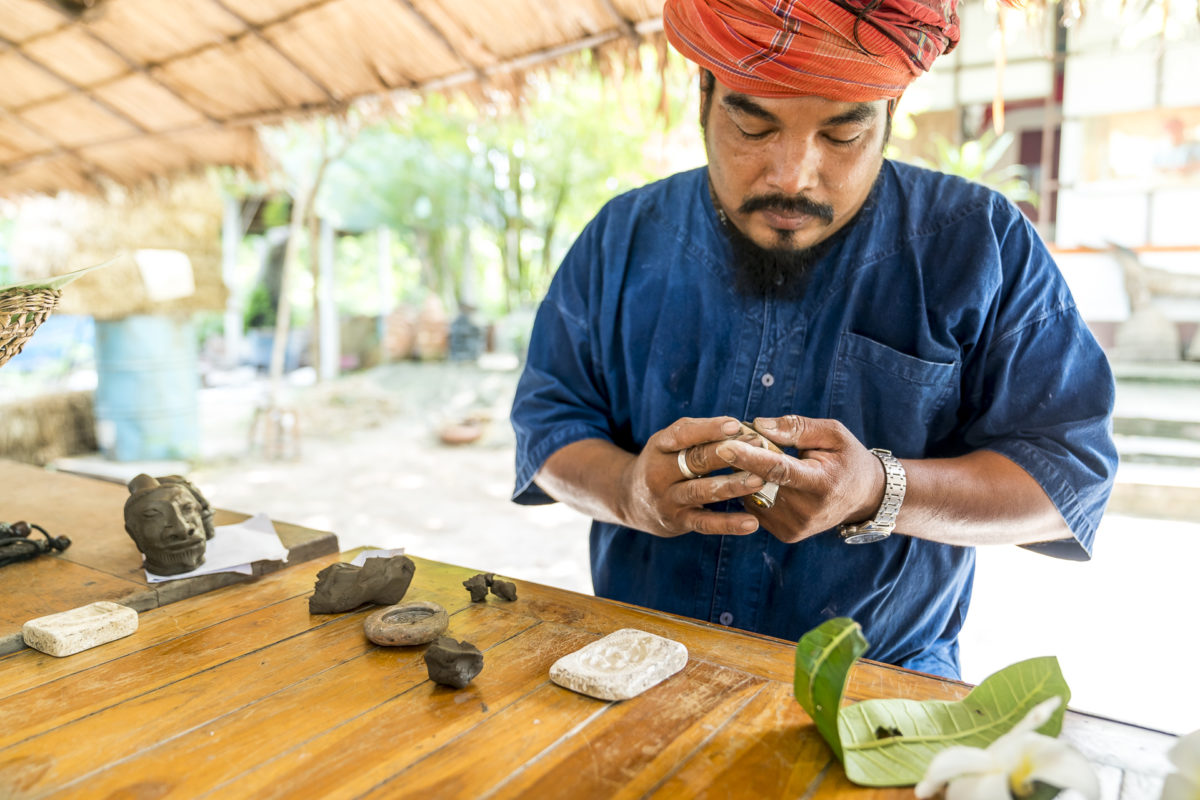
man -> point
(840, 302)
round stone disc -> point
(415, 622)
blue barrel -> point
(147, 389)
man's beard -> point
(777, 272)
(190, 557)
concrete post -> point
(329, 344)
(387, 288)
(231, 237)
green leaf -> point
(59, 281)
(891, 742)
(824, 657)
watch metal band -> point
(884, 521)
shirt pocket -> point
(891, 399)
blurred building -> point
(1103, 103)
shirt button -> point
(768, 380)
(726, 618)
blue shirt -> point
(936, 325)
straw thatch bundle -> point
(59, 234)
(37, 430)
(117, 91)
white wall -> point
(1128, 66)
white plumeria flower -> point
(1184, 783)
(1010, 765)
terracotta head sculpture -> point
(206, 510)
(164, 520)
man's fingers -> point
(703, 459)
(716, 489)
(691, 460)
(690, 431)
(718, 523)
(781, 469)
(803, 433)
(694, 494)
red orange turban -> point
(845, 50)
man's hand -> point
(659, 499)
(833, 479)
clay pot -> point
(401, 334)
(433, 330)
(464, 432)
(406, 624)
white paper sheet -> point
(362, 557)
(234, 548)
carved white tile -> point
(620, 666)
(70, 632)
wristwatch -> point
(884, 522)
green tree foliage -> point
(488, 199)
(978, 160)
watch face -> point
(866, 537)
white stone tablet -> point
(74, 631)
(620, 666)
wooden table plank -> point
(28, 668)
(63, 755)
(513, 736)
(102, 562)
(242, 693)
(355, 757)
(87, 511)
(277, 611)
(764, 656)
(122, 679)
(837, 785)
(260, 726)
(626, 751)
(769, 748)
(47, 585)
(1139, 753)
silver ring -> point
(683, 466)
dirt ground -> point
(372, 469)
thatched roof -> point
(98, 91)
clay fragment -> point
(620, 666)
(477, 585)
(505, 590)
(453, 663)
(341, 587)
(415, 622)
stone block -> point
(620, 666)
(70, 632)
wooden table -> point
(102, 562)
(242, 693)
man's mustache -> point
(788, 205)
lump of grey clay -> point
(506, 590)
(452, 663)
(477, 585)
(415, 622)
(341, 587)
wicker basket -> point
(21, 312)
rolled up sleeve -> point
(1044, 395)
(561, 397)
